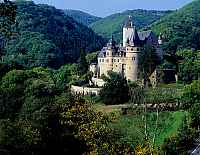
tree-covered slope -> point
(82, 17)
(113, 24)
(45, 36)
(181, 29)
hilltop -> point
(82, 17)
(113, 24)
(181, 28)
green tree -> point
(148, 60)
(191, 101)
(189, 67)
(191, 94)
(12, 93)
(7, 17)
(91, 127)
(116, 90)
(83, 64)
(32, 49)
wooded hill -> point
(181, 29)
(45, 36)
(113, 24)
(82, 17)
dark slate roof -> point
(145, 34)
(102, 52)
(93, 63)
(135, 40)
(129, 22)
(111, 42)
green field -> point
(133, 130)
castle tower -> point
(133, 50)
(127, 31)
(110, 52)
(132, 62)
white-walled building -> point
(124, 58)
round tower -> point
(109, 53)
(132, 62)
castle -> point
(124, 58)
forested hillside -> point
(45, 36)
(113, 24)
(181, 29)
(82, 17)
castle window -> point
(137, 49)
(114, 60)
(102, 60)
(99, 60)
(107, 53)
(131, 49)
(118, 60)
(133, 58)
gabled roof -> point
(145, 34)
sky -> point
(104, 8)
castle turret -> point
(160, 39)
(132, 62)
(130, 34)
(127, 31)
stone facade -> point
(124, 59)
(78, 90)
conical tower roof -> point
(129, 22)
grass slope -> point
(132, 127)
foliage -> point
(67, 74)
(191, 101)
(162, 95)
(116, 90)
(180, 28)
(38, 117)
(148, 60)
(90, 127)
(91, 57)
(39, 26)
(12, 93)
(113, 24)
(82, 17)
(189, 67)
(7, 17)
(32, 49)
(191, 94)
(83, 64)
(181, 142)
(145, 149)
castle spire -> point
(129, 22)
(112, 42)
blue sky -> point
(103, 8)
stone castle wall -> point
(126, 64)
(85, 90)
